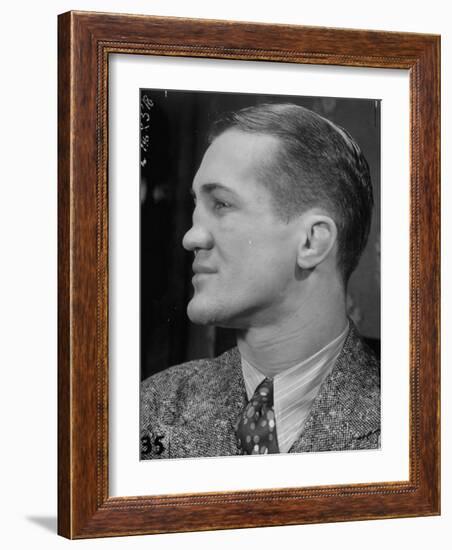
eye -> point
(220, 205)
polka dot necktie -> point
(256, 429)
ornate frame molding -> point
(85, 42)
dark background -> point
(173, 130)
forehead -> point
(235, 158)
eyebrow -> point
(210, 187)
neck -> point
(274, 348)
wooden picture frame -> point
(85, 42)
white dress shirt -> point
(295, 389)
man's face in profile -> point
(245, 256)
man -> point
(283, 204)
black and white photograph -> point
(259, 274)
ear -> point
(318, 236)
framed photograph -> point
(248, 275)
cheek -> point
(272, 263)
(251, 260)
(233, 249)
(254, 253)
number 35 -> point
(147, 444)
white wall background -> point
(28, 283)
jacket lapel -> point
(231, 402)
(333, 420)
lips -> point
(200, 268)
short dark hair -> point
(324, 158)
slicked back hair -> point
(318, 164)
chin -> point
(196, 313)
(202, 313)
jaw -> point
(230, 314)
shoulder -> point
(359, 367)
(197, 372)
(182, 385)
(358, 382)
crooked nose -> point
(197, 238)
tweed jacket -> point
(189, 410)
